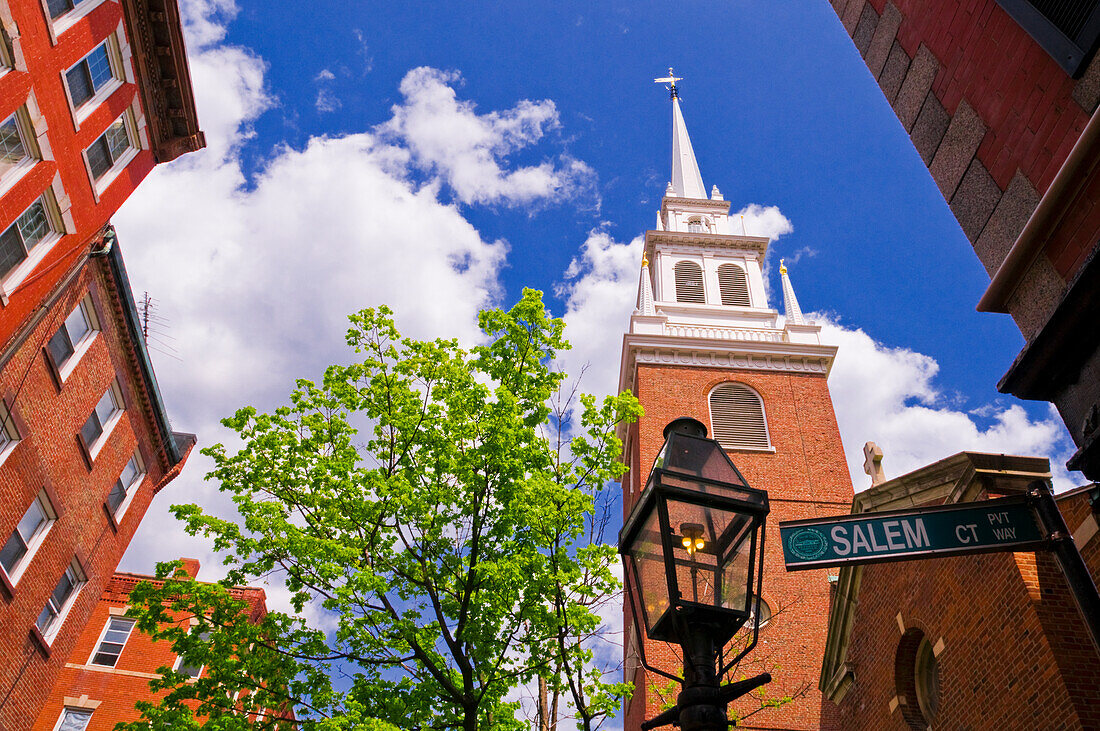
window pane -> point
(99, 157)
(74, 720)
(64, 589)
(59, 7)
(12, 551)
(60, 346)
(118, 141)
(114, 639)
(129, 472)
(91, 430)
(116, 496)
(99, 67)
(32, 521)
(12, 151)
(33, 225)
(80, 83)
(45, 619)
(106, 406)
(11, 250)
(77, 324)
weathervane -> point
(671, 80)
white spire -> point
(686, 180)
(645, 291)
(790, 302)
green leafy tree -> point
(455, 554)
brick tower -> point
(705, 343)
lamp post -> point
(693, 550)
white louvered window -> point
(737, 417)
(734, 285)
(689, 282)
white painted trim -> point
(36, 540)
(68, 20)
(25, 267)
(63, 612)
(103, 633)
(99, 187)
(118, 76)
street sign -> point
(1004, 524)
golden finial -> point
(782, 267)
(645, 260)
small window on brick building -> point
(101, 422)
(689, 282)
(734, 285)
(18, 148)
(917, 677)
(112, 151)
(1068, 31)
(94, 77)
(72, 339)
(118, 499)
(25, 242)
(737, 417)
(9, 433)
(61, 600)
(24, 541)
(74, 719)
(190, 668)
(112, 641)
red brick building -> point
(94, 93)
(705, 343)
(968, 642)
(112, 663)
(1000, 100)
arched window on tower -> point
(737, 417)
(689, 282)
(734, 285)
(697, 225)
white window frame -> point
(30, 144)
(104, 182)
(65, 369)
(103, 634)
(118, 78)
(79, 580)
(68, 19)
(36, 540)
(112, 420)
(9, 432)
(132, 488)
(70, 709)
(179, 659)
(57, 229)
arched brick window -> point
(689, 282)
(737, 417)
(917, 679)
(734, 285)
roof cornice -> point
(758, 244)
(164, 77)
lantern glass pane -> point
(649, 568)
(711, 550)
(696, 457)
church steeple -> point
(790, 302)
(686, 180)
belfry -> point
(704, 343)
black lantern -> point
(693, 549)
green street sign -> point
(1004, 524)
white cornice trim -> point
(758, 244)
(738, 355)
(672, 202)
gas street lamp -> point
(693, 548)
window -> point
(734, 285)
(697, 225)
(58, 8)
(125, 486)
(1068, 31)
(917, 674)
(27, 537)
(92, 76)
(689, 282)
(110, 149)
(190, 669)
(737, 417)
(74, 719)
(9, 434)
(16, 155)
(60, 601)
(113, 640)
(19, 240)
(102, 419)
(73, 337)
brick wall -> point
(993, 116)
(49, 418)
(111, 692)
(805, 476)
(1013, 652)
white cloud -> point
(763, 221)
(327, 101)
(468, 151)
(324, 75)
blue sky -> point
(439, 157)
